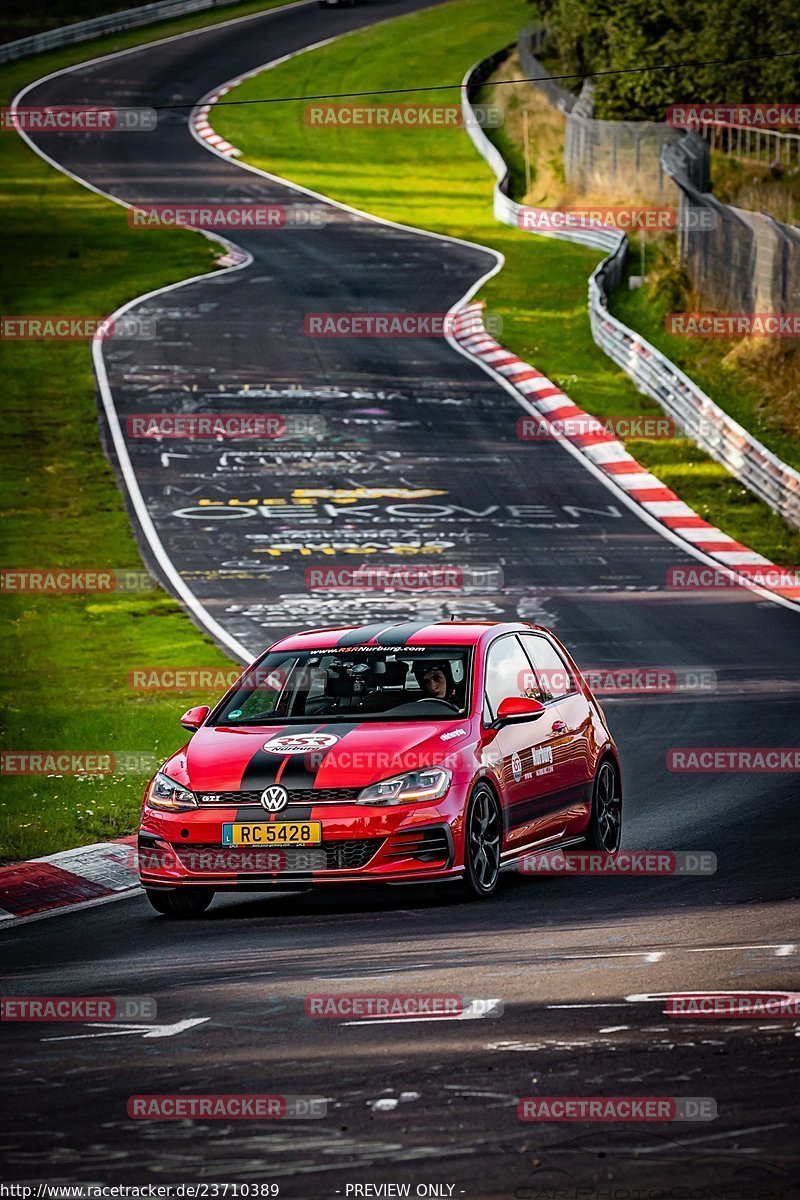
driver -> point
(437, 683)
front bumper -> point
(391, 844)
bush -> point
(601, 35)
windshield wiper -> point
(257, 719)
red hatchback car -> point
(407, 754)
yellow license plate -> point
(273, 833)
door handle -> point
(558, 726)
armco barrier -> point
(692, 410)
(83, 31)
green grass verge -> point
(66, 658)
(434, 178)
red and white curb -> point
(73, 877)
(202, 127)
(609, 455)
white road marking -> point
(757, 946)
(710, 1137)
(148, 1031)
(646, 997)
(473, 1012)
(591, 1004)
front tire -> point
(180, 902)
(605, 823)
(483, 836)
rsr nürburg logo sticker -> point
(300, 743)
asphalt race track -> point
(575, 961)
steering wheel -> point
(437, 700)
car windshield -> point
(371, 682)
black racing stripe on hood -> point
(263, 767)
(358, 637)
(398, 635)
(301, 771)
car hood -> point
(313, 756)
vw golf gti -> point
(404, 754)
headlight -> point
(166, 793)
(431, 783)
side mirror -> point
(194, 718)
(519, 708)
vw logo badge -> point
(274, 798)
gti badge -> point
(274, 798)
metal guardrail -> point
(506, 209)
(770, 146)
(83, 31)
(695, 413)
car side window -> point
(508, 672)
(555, 679)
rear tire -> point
(180, 902)
(605, 823)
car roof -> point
(407, 633)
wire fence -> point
(604, 155)
(694, 412)
(530, 43)
(613, 155)
(737, 261)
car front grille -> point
(212, 858)
(296, 796)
